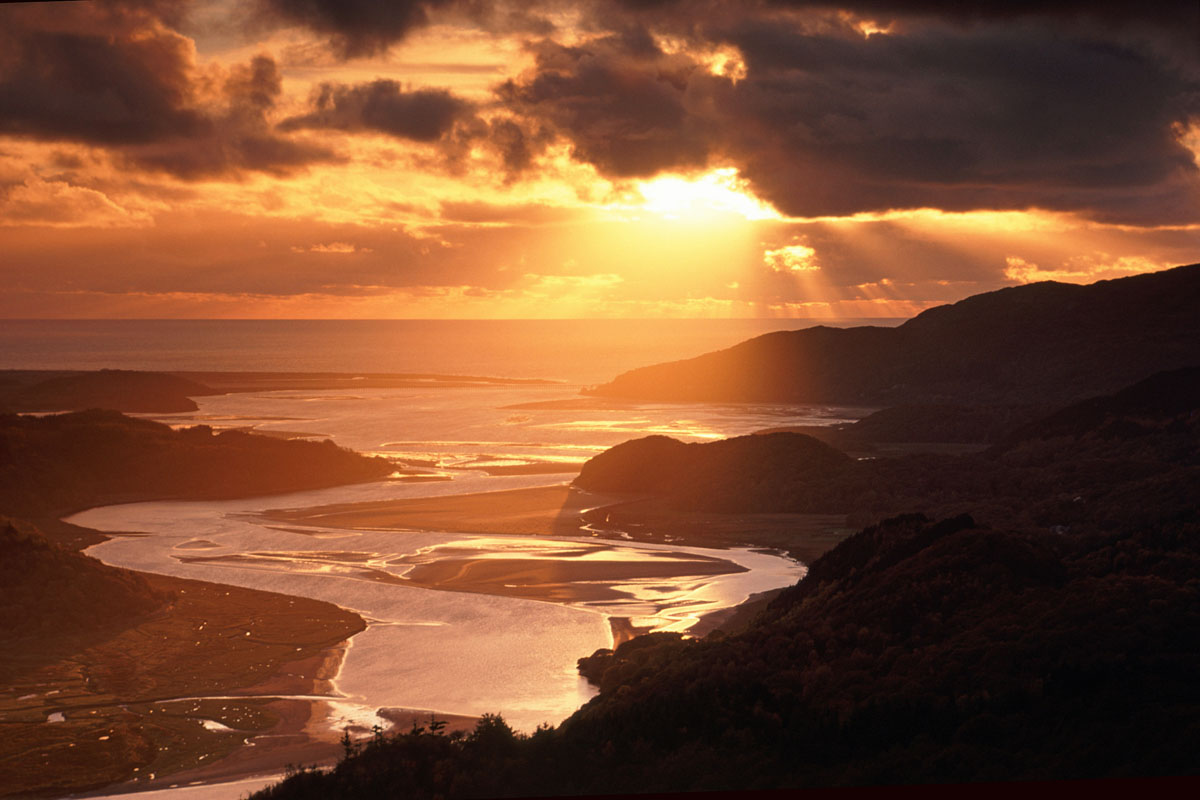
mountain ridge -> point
(1040, 343)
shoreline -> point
(147, 705)
(565, 511)
(300, 731)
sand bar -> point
(538, 511)
(567, 511)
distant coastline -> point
(585, 351)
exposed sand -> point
(564, 511)
(560, 581)
(218, 640)
(539, 511)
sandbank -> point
(538, 511)
(566, 511)
(129, 698)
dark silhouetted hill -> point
(52, 464)
(1043, 343)
(1051, 633)
(1103, 462)
(1142, 409)
(118, 390)
(50, 591)
(741, 467)
(929, 424)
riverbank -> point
(270, 655)
(567, 511)
(217, 667)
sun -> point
(711, 197)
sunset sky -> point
(325, 158)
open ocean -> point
(574, 351)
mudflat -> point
(173, 693)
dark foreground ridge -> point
(1051, 633)
(1041, 343)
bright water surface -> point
(452, 652)
(449, 651)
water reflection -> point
(459, 623)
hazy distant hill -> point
(1041, 343)
(116, 389)
(1167, 398)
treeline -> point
(1052, 633)
(53, 464)
(1097, 465)
(915, 652)
(50, 591)
(117, 389)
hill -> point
(92, 652)
(1052, 633)
(115, 389)
(1108, 458)
(732, 474)
(50, 465)
(52, 591)
(1043, 343)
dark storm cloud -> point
(1170, 13)
(111, 75)
(102, 88)
(358, 27)
(383, 106)
(1166, 13)
(619, 100)
(1001, 118)
(515, 146)
(1000, 114)
(238, 137)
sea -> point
(443, 651)
(575, 351)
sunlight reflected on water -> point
(459, 623)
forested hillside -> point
(1042, 343)
(1051, 633)
(69, 461)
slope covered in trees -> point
(57, 463)
(54, 592)
(1040, 343)
(1097, 463)
(1051, 633)
(116, 389)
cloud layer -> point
(829, 116)
(915, 152)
